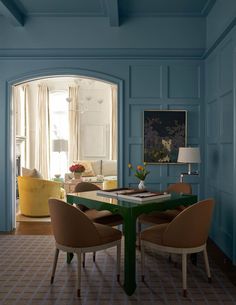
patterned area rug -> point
(25, 268)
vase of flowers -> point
(77, 169)
(141, 173)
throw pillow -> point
(34, 173)
(96, 166)
(88, 168)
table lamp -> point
(189, 155)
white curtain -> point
(18, 110)
(42, 141)
(20, 97)
(74, 128)
(113, 142)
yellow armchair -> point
(34, 194)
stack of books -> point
(134, 195)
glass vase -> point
(141, 185)
(77, 176)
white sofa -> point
(97, 170)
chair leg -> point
(54, 264)
(142, 261)
(118, 256)
(207, 265)
(94, 257)
(78, 272)
(184, 273)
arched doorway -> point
(105, 79)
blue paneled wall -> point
(164, 85)
(220, 141)
(143, 84)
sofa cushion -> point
(109, 167)
(96, 166)
(34, 173)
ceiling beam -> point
(113, 12)
(9, 10)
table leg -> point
(130, 253)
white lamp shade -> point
(59, 145)
(189, 155)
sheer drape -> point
(74, 128)
(18, 110)
(42, 143)
(20, 97)
(113, 151)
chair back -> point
(70, 226)
(85, 187)
(180, 187)
(190, 228)
(34, 194)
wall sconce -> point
(189, 155)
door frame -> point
(11, 154)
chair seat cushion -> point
(107, 234)
(104, 217)
(153, 218)
(154, 234)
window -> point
(58, 132)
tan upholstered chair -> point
(187, 233)
(156, 217)
(103, 217)
(69, 225)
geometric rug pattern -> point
(25, 271)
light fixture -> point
(81, 107)
(189, 155)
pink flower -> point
(77, 168)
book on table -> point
(133, 195)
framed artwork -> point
(164, 132)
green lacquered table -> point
(129, 211)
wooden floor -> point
(33, 228)
(44, 228)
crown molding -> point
(102, 53)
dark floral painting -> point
(164, 133)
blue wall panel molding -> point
(220, 142)
(149, 85)
(146, 81)
(184, 81)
